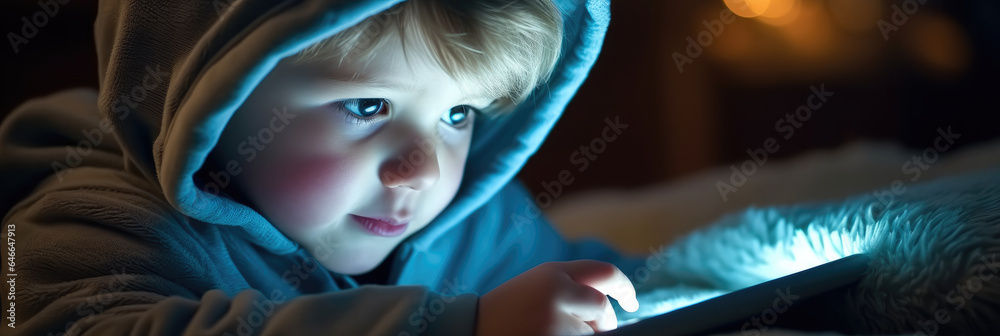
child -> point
(307, 167)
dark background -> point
(939, 69)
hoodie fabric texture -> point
(114, 235)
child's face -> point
(358, 164)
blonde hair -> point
(493, 48)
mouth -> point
(383, 227)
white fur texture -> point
(933, 250)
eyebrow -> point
(361, 79)
(365, 80)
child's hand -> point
(556, 298)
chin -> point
(352, 264)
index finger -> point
(606, 278)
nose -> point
(416, 167)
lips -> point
(382, 226)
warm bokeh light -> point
(778, 8)
(781, 12)
(748, 8)
(738, 46)
(782, 39)
(938, 45)
(812, 34)
(856, 15)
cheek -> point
(298, 184)
(454, 168)
(300, 194)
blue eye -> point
(365, 107)
(457, 116)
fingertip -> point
(628, 301)
(633, 304)
(629, 305)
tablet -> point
(755, 308)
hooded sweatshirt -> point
(109, 234)
(114, 236)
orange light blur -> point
(856, 15)
(812, 34)
(748, 8)
(938, 45)
(781, 12)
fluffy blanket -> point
(934, 255)
(933, 246)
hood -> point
(174, 72)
